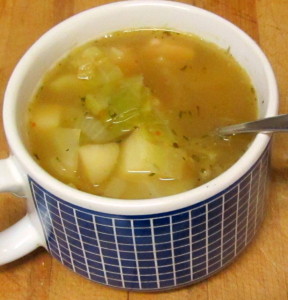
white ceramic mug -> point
(150, 244)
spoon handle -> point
(273, 124)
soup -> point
(133, 114)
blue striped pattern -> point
(160, 251)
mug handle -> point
(22, 237)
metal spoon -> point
(273, 124)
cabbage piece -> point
(128, 98)
(119, 102)
(97, 132)
(121, 107)
(97, 102)
(93, 129)
(93, 64)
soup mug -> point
(144, 245)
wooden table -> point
(261, 272)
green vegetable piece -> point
(96, 103)
(126, 103)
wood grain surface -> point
(261, 272)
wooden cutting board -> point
(261, 272)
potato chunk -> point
(139, 155)
(169, 52)
(46, 116)
(59, 152)
(65, 143)
(97, 161)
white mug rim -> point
(141, 206)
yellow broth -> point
(132, 115)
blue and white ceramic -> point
(143, 245)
